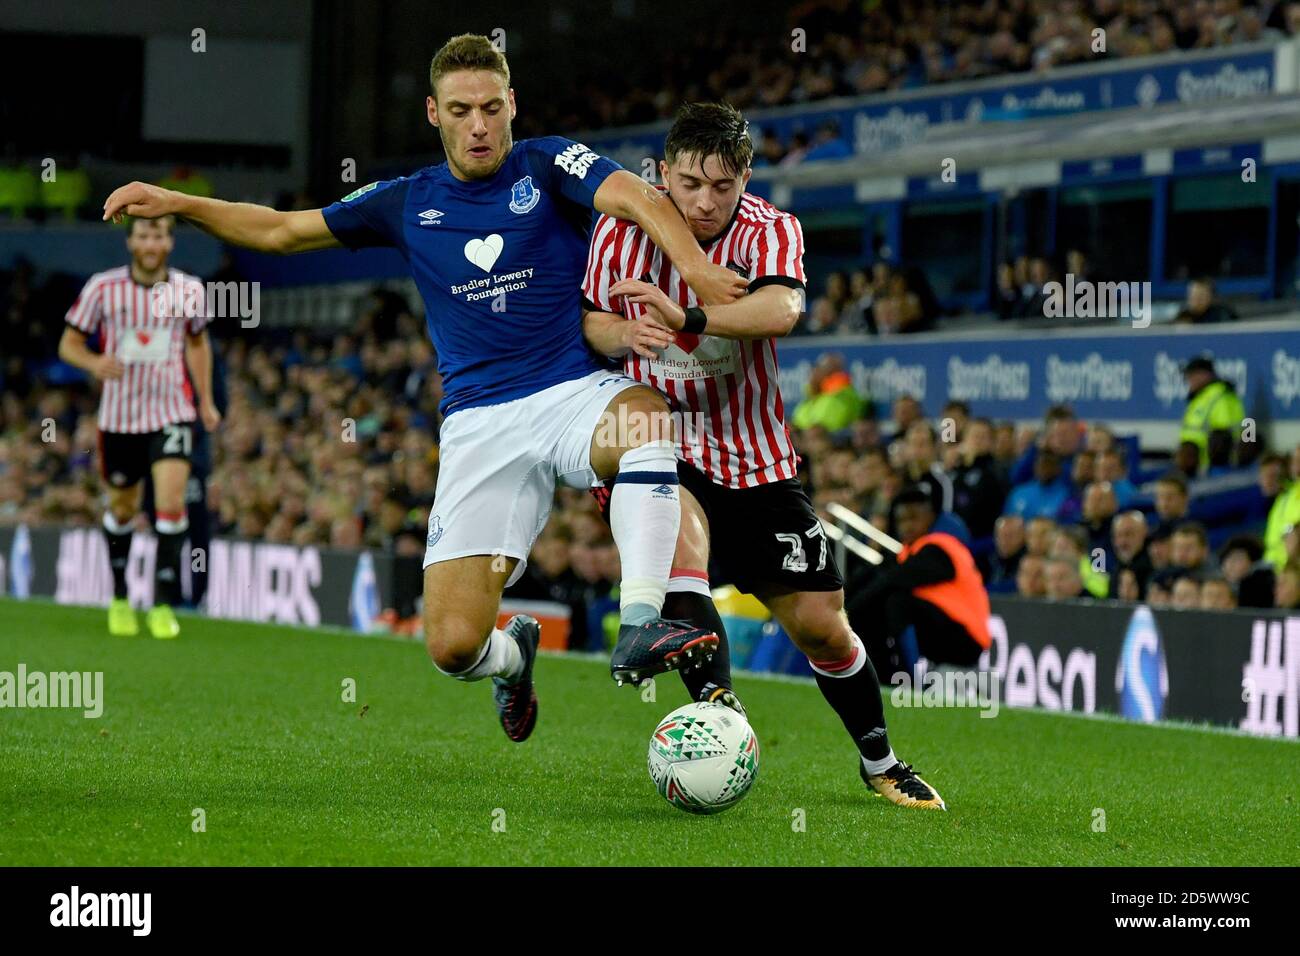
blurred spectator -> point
(1039, 533)
(1112, 468)
(1171, 499)
(1242, 564)
(1062, 580)
(1062, 434)
(1284, 515)
(1099, 509)
(1128, 545)
(922, 469)
(831, 400)
(1002, 564)
(1287, 589)
(1044, 496)
(1216, 595)
(1202, 306)
(1031, 576)
(1186, 594)
(1213, 418)
(1190, 549)
(977, 485)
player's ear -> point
(744, 181)
(663, 171)
(431, 105)
(511, 94)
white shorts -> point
(499, 464)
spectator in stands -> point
(1004, 451)
(1171, 499)
(1034, 297)
(1186, 594)
(1213, 418)
(1242, 564)
(1039, 533)
(1031, 576)
(1062, 581)
(1111, 467)
(1273, 471)
(1216, 595)
(1160, 546)
(1002, 564)
(922, 469)
(905, 411)
(1128, 545)
(1284, 515)
(1007, 302)
(977, 485)
(953, 419)
(1082, 472)
(1072, 543)
(1161, 587)
(770, 149)
(1099, 509)
(1044, 496)
(1202, 306)
(1190, 549)
(831, 401)
(1062, 434)
(1287, 589)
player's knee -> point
(647, 420)
(819, 630)
(122, 512)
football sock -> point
(851, 688)
(645, 515)
(689, 599)
(171, 530)
(501, 657)
(118, 537)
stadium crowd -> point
(332, 441)
(857, 47)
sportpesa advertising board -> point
(1122, 375)
(1233, 669)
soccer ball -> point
(703, 758)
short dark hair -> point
(1058, 413)
(911, 495)
(1194, 528)
(1173, 478)
(1248, 543)
(468, 51)
(957, 406)
(711, 129)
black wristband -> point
(696, 321)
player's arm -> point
(198, 358)
(614, 336)
(767, 312)
(238, 223)
(74, 351)
(625, 195)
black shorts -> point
(766, 539)
(125, 458)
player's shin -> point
(689, 599)
(645, 515)
(851, 687)
(118, 536)
(170, 529)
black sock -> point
(119, 552)
(856, 699)
(167, 568)
(699, 610)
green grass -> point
(246, 722)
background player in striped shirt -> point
(151, 321)
(736, 464)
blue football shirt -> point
(498, 262)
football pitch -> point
(234, 745)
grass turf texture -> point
(246, 721)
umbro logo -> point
(666, 490)
(430, 217)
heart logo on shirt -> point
(688, 342)
(143, 337)
(484, 252)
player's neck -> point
(145, 277)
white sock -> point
(875, 767)
(501, 658)
(645, 514)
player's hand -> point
(646, 337)
(142, 200)
(655, 301)
(107, 367)
(716, 285)
(209, 415)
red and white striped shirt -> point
(732, 424)
(145, 327)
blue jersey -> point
(498, 261)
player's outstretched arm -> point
(625, 195)
(614, 336)
(239, 223)
(767, 313)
